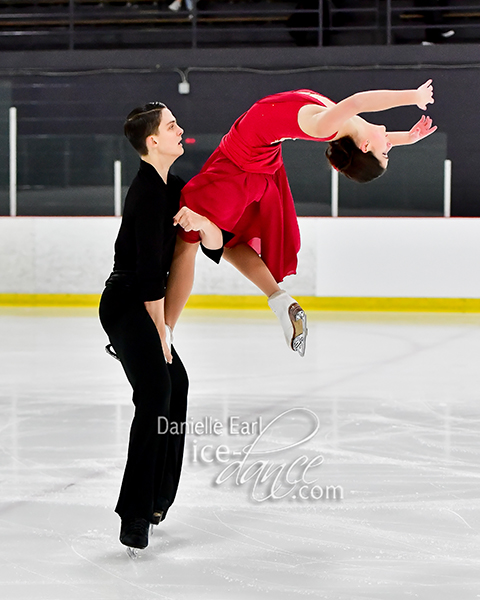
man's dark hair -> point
(142, 122)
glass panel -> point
(67, 175)
(198, 149)
(309, 175)
(411, 186)
(73, 175)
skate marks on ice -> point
(397, 401)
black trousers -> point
(154, 459)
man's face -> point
(169, 136)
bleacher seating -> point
(43, 24)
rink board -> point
(344, 264)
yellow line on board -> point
(49, 299)
(460, 305)
(310, 303)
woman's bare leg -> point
(246, 260)
(291, 316)
(180, 280)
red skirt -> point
(257, 208)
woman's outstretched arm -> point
(324, 123)
(420, 130)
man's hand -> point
(166, 351)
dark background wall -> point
(90, 92)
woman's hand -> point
(189, 220)
(210, 234)
(425, 95)
(421, 130)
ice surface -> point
(396, 399)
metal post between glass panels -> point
(447, 188)
(13, 160)
(117, 188)
(334, 192)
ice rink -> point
(387, 406)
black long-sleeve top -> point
(146, 240)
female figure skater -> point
(132, 314)
(243, 186)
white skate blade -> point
(300, 331)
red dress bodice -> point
(243, 186)
(254, 140)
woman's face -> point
(169, 136)
(379, 144)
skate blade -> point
(300, 331)
(133, 553)
(110, 351)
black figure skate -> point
(134, 535)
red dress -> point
(243, 186)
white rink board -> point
(344, 257)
